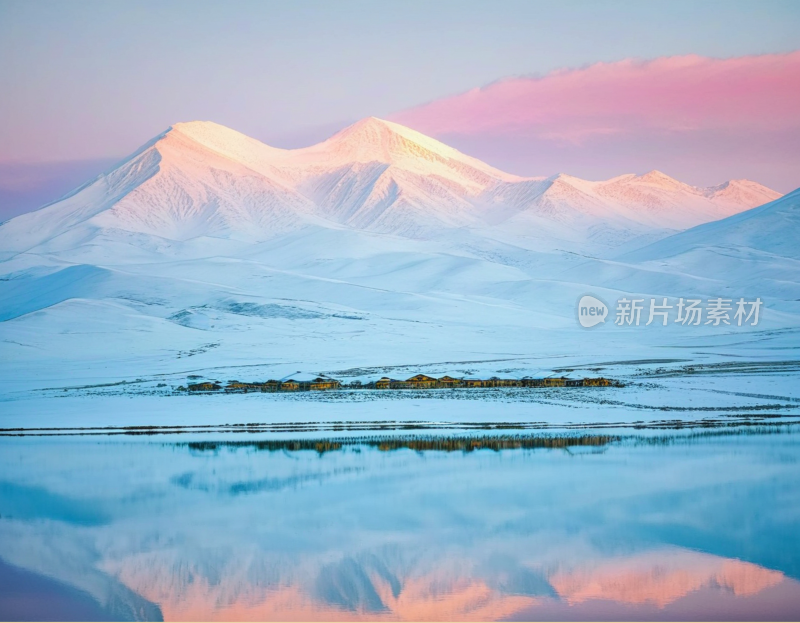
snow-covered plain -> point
(379, 251)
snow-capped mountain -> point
(201, 180)
(176, 187)
(378, 245)
(378, 242)
(381, 176)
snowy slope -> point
(753, 252)
(772, 228)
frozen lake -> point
(421, 525)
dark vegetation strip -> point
(373, 424)
(633, 405)
(468, 443)
(736, 421)
(115, 384)
(630, 362)
(725, 367)
(419, 444)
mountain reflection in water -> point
(236, 528)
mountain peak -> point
(564, 177)
(743, 192)
(197, 124)
(375, 126)
(375, 122)
(737, 183)
(377, 140)
(656, 177)
(228, 143)
(208, 132)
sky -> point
(84, 84)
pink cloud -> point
(677, 93)
(749, 102)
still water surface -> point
(240, 528)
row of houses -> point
(418, 381)
(422, 381)
(289, 385)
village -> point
(418, 381)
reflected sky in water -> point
(685, 528)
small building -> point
(449, 381)
(321, 383)
(498, 382)
(238, 387)
(574, 383)
(472, 382)
(298, 381)
(204, 387)
(554, 381)
(387, 383)
(596, 382)
(421, 381)
(270, 386)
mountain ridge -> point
(200, 179)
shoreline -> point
(440, 429)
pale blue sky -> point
(87, 80)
